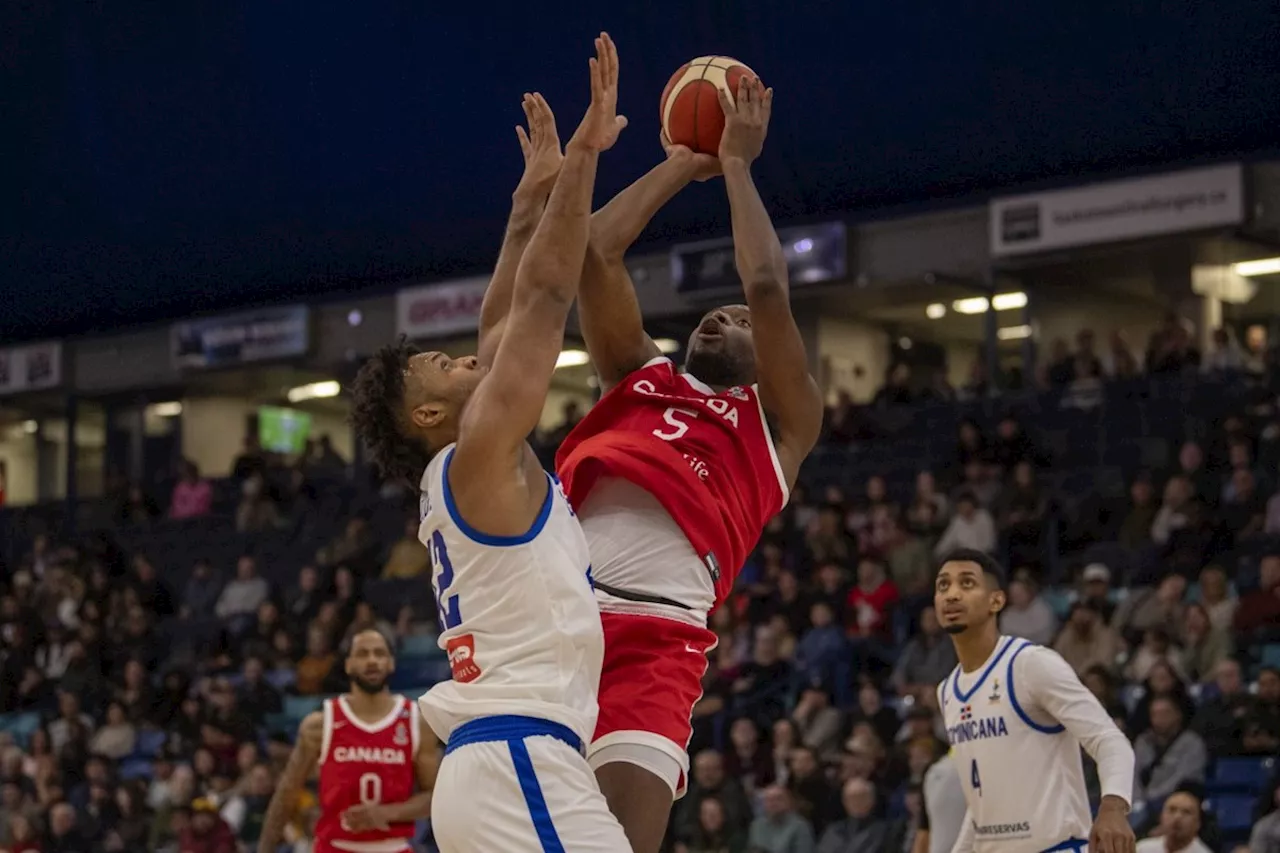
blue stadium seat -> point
(1241, 775)
(1271, 655)
(137, 768)
(420, 645)
(1234, 813)
(20, 726)
(297, 707)
(150, 742)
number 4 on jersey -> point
(973, 777)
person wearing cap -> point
(207, 832)
(1095, 588)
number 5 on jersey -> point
(447, 605)
(676, 426)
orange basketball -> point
(691, 113)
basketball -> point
(691, 114)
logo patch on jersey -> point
(401, 737)
(995, 692)
(424, 507)
(737, 392)
(966, 713)
(462, 650)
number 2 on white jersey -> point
(678, 426)
(973, 777)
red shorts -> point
(651, 679)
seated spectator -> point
(1027, 615)
(1155, 648)
(1179, 828)
(1265, 837)
(1162, 682)
(927, 659)
(812, 794)
(1258, 615)
(200, 597)
(970, 528)
(239, 600)
(1085, 642)
(137, 507)
(817, 723)
(356, 547)
(192, 495)
(760, 688)
(1158, 607)
(1261, 724)
(871, 602)
(821, 650)
(257, 510)
(826, 539)
(1243, 513)
(909, 560)
(1021, 512)
(207, 832)
(709, 781)
(1168, 755)
(713, 834)
(1217, 597)
(927, 495)
(1204, 645)
(779, 829)
(257, 698)
(871, 711)
(408, 557)
(1220, 718)
(1135, 529)
(860, 829)
(1095, 590)
(1171, 515)
(317, 665)
(748, 759)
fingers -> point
(525, 145)
(766, 105)
(546, 118)
(727, 103)
(608, 53)
(597, 80)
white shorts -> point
(520, 785)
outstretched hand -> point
(540, 146)
(703, 167)
(602, 124)
(746, 120)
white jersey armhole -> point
(327, 736)
(415, 724)
(1023, 706)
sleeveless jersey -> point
(1022, 772)
(707, 457)
(362, 764)
(518, 615)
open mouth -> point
(709, 329)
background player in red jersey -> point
(675, 475)
(376, 767)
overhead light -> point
(30, 427)
(904, 343)
(936, 311)
(314, 391)
(165, 410)
(1013, 333)
(1263, 266)
(667, 346)
(804, 245)
(572, 358)
(1001, 302)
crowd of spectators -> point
(129, 725)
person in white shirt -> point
(971, 527)
(1017, 716)
(1179, 829)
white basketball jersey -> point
(519, 617)
(1022, 773)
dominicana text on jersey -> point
(1022, 773)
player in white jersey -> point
(511, 569)
(1017, 715)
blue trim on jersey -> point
(533, 798)
(1013, 700)
(955, 679)
(509, 727)
(484, 538)
(1078, 845)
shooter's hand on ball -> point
(602, 124)
(702, 167)
(540, 146)
(746, 121)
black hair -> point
(348, 642)
(985, 561)
(377, 399)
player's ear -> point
(428, 415)
(997, 600)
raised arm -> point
(302, 763)
(508, 402)
(787, 390)
(607, 306)
(540, 146)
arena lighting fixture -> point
(571, 358)
(30, 427)
(165, 410)
(314, 391)
(1013, 333)
(936, 311)
(666, 346)
(1262, 266)
(1001, 302)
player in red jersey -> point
(377, 763)
(674, 475)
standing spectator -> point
(192, 495)
(1168, 755)
(780, 829)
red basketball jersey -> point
(707, 457)
(363, 763)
